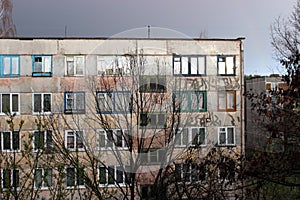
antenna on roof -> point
(148, 31)
(66, 28)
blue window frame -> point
(114, 102)
(9, 66)
(74, 102)
(42, 65)
(189, 65)
(190, 101)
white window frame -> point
(190, 138)
(150, 124)
(73, 97)
(11, 141)
(147, 155)
(11, 178)
(44, 177)
(46, 146)
(75, 178)
(10, 103)
(108, 144)
(226, 136)
(42, 103)
(113, 103)
(73, 133)
(189, 65)
(73, 59)
(115, 168)
(191, 172)
(112, 66)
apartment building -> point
(134, 106)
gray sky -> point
(103, 18)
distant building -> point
(258, 137)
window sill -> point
(226, 74)
(10, 151)
(113, 148)
(112, 185)
(75, 187)
(41, 74)
(43, 188)
(16, 113)
(190, 75)
(226, 145)
(67, 112)
(10, 76)
(41, 113)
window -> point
(147, 192)
(114, 102)
(42, 140)
(74, 177)
(42, 103)
(189, 65)
(112, 65)
(190, 101)
(74, 65)
(227, 101)
(74, 102)
(226, 171)
(113, 175)
(153, 84)
(152, 156)
(226, 65)
(226, 136)
(190, 172)
(112, 138)
(9, 66)
(41, 65)
(42, 178)
(153, 120)
(194, 136)
(10, 141)
(10, 178)
(74, 140)
(10, 103)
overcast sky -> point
(104, 18)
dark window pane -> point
(80, 176)
(16, 180)
(5, 103)
(230, 135)
(15, 103)
(6, 178)
(6, 140)
(38, 140)
(47, 177)
(79, 139)
(47, 103)
(111, 175)
(49, 141)
(222, 138)
(102, 175)
(70, 176)
(120, 176)
(37, 103)
(144, 119)
(38, 178)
